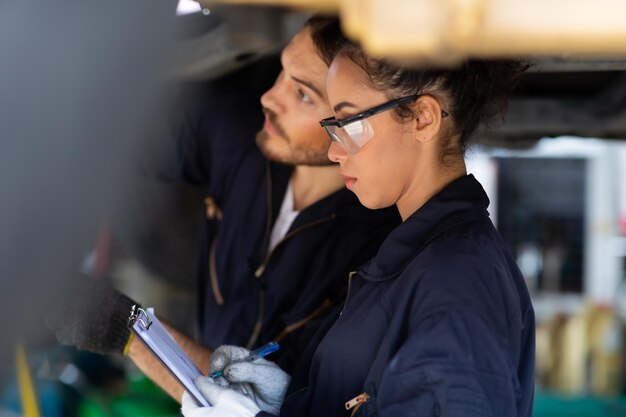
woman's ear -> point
(427, 118)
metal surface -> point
(226, 38)
(448, 30)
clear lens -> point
(359, 132)
(332, 134)
(351, 137)
(355, 131)
(356, 135)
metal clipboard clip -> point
(138, 314)
(163, 346)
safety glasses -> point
(353, 132)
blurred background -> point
(88, 90)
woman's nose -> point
(336, 153)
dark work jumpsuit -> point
(439, 323)
(247, 295)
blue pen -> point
(259, 353)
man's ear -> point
(427, 118)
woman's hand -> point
(261, 379)
(226, 402)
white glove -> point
(261, 379)
(226, 402)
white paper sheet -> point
(154, 335)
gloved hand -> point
(226, 402)
(261, 379)
(94, 317)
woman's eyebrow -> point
(341, 105)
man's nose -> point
(271, 99)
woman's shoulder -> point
(469, 249)
(464, 271)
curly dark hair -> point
(472, 93)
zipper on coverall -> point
(258, 273)
(345, 303)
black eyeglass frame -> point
(331, 121)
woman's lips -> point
(349, 180)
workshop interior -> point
(87, 88)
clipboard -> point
(160, 342)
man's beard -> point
(298, 154)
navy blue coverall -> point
(439, 323)
(247, 295)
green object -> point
(555, 405)
(142, 399)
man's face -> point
(294, 106)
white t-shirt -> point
(285, 218)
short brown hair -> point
(327, 36)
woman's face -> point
(386, 170)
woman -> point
(440, 322)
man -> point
(283, 233)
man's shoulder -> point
(235, 117)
